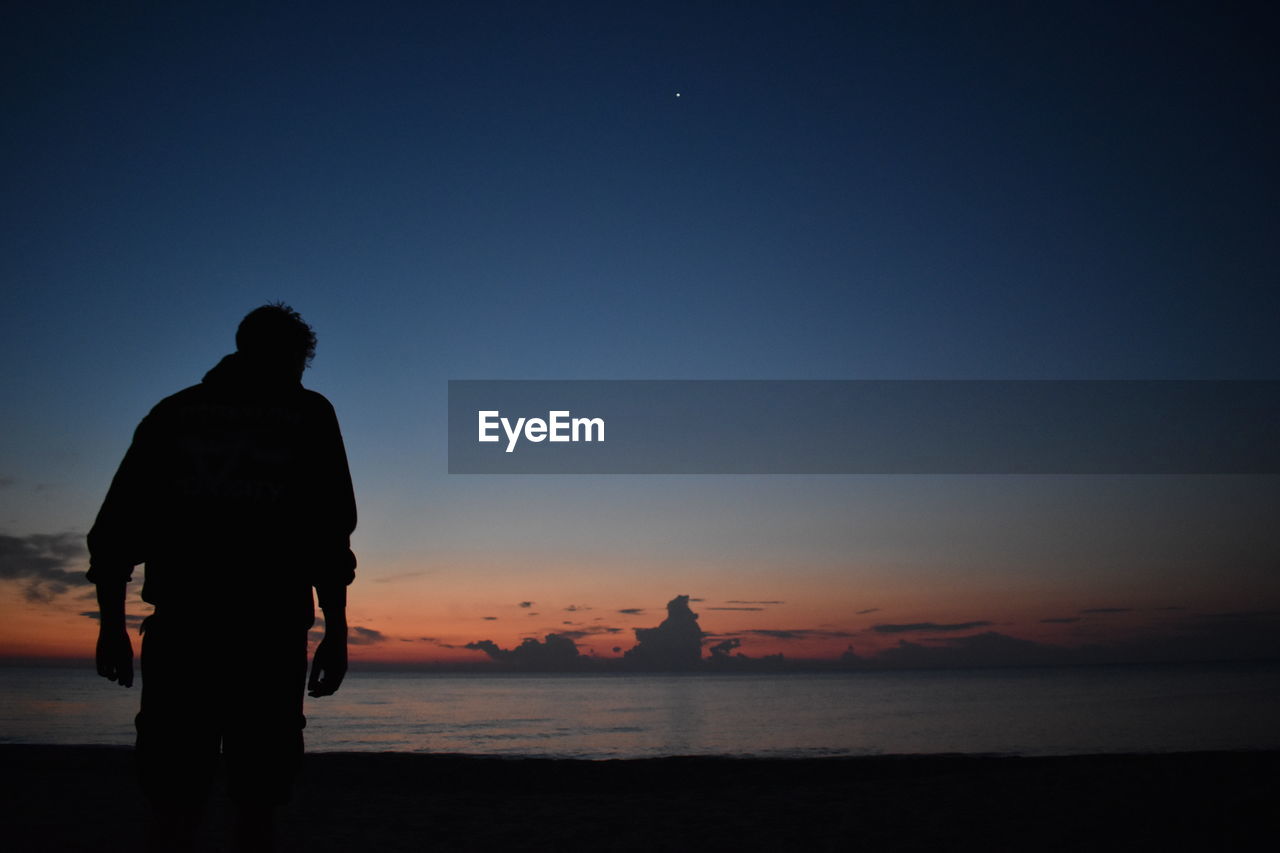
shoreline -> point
(84, 798)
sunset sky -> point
(656, 191)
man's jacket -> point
(234, 491)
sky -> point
(656, 191)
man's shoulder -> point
(177, 400)
(311, 406)
(201, 392)
(316, 401)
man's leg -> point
(177, 745)
(263, 742)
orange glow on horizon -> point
(406, 613)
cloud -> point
(589, 631)
(1107, 610)
(1237, 635)
(734, 601)
(755, 609)
(927, 626)
(361, 636)
(489, 618)
(675, 644)
(1234, 615)
(574, 608)
(631, 611)
(721, 650)
(129, 618)
(799, 633)
(399, 577)
(868, 610)
(1240, 635)
(1060, 620)
(525, 604)
(977, 650)
(489, 647)
(43, 562)
(6, 482)
(555, 652)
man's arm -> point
(334, 565)
(330, 664)
(115, 651)
(115, 546)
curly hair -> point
(276, 332)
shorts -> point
(213, 692)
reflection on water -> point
(1024, 711)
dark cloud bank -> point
(675, 645)
(46, 564)
(679, 644)
(357, 636)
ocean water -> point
(1052, 711)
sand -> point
(83, 798)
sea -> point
(1032, 711)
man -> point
(236, 495)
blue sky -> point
(514, 190)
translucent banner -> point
(863, 427)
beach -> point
(69, 798)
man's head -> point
(276, 335)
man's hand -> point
(115, 654)
(330, 664)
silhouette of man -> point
(236, 495)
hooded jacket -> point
(235, 491)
